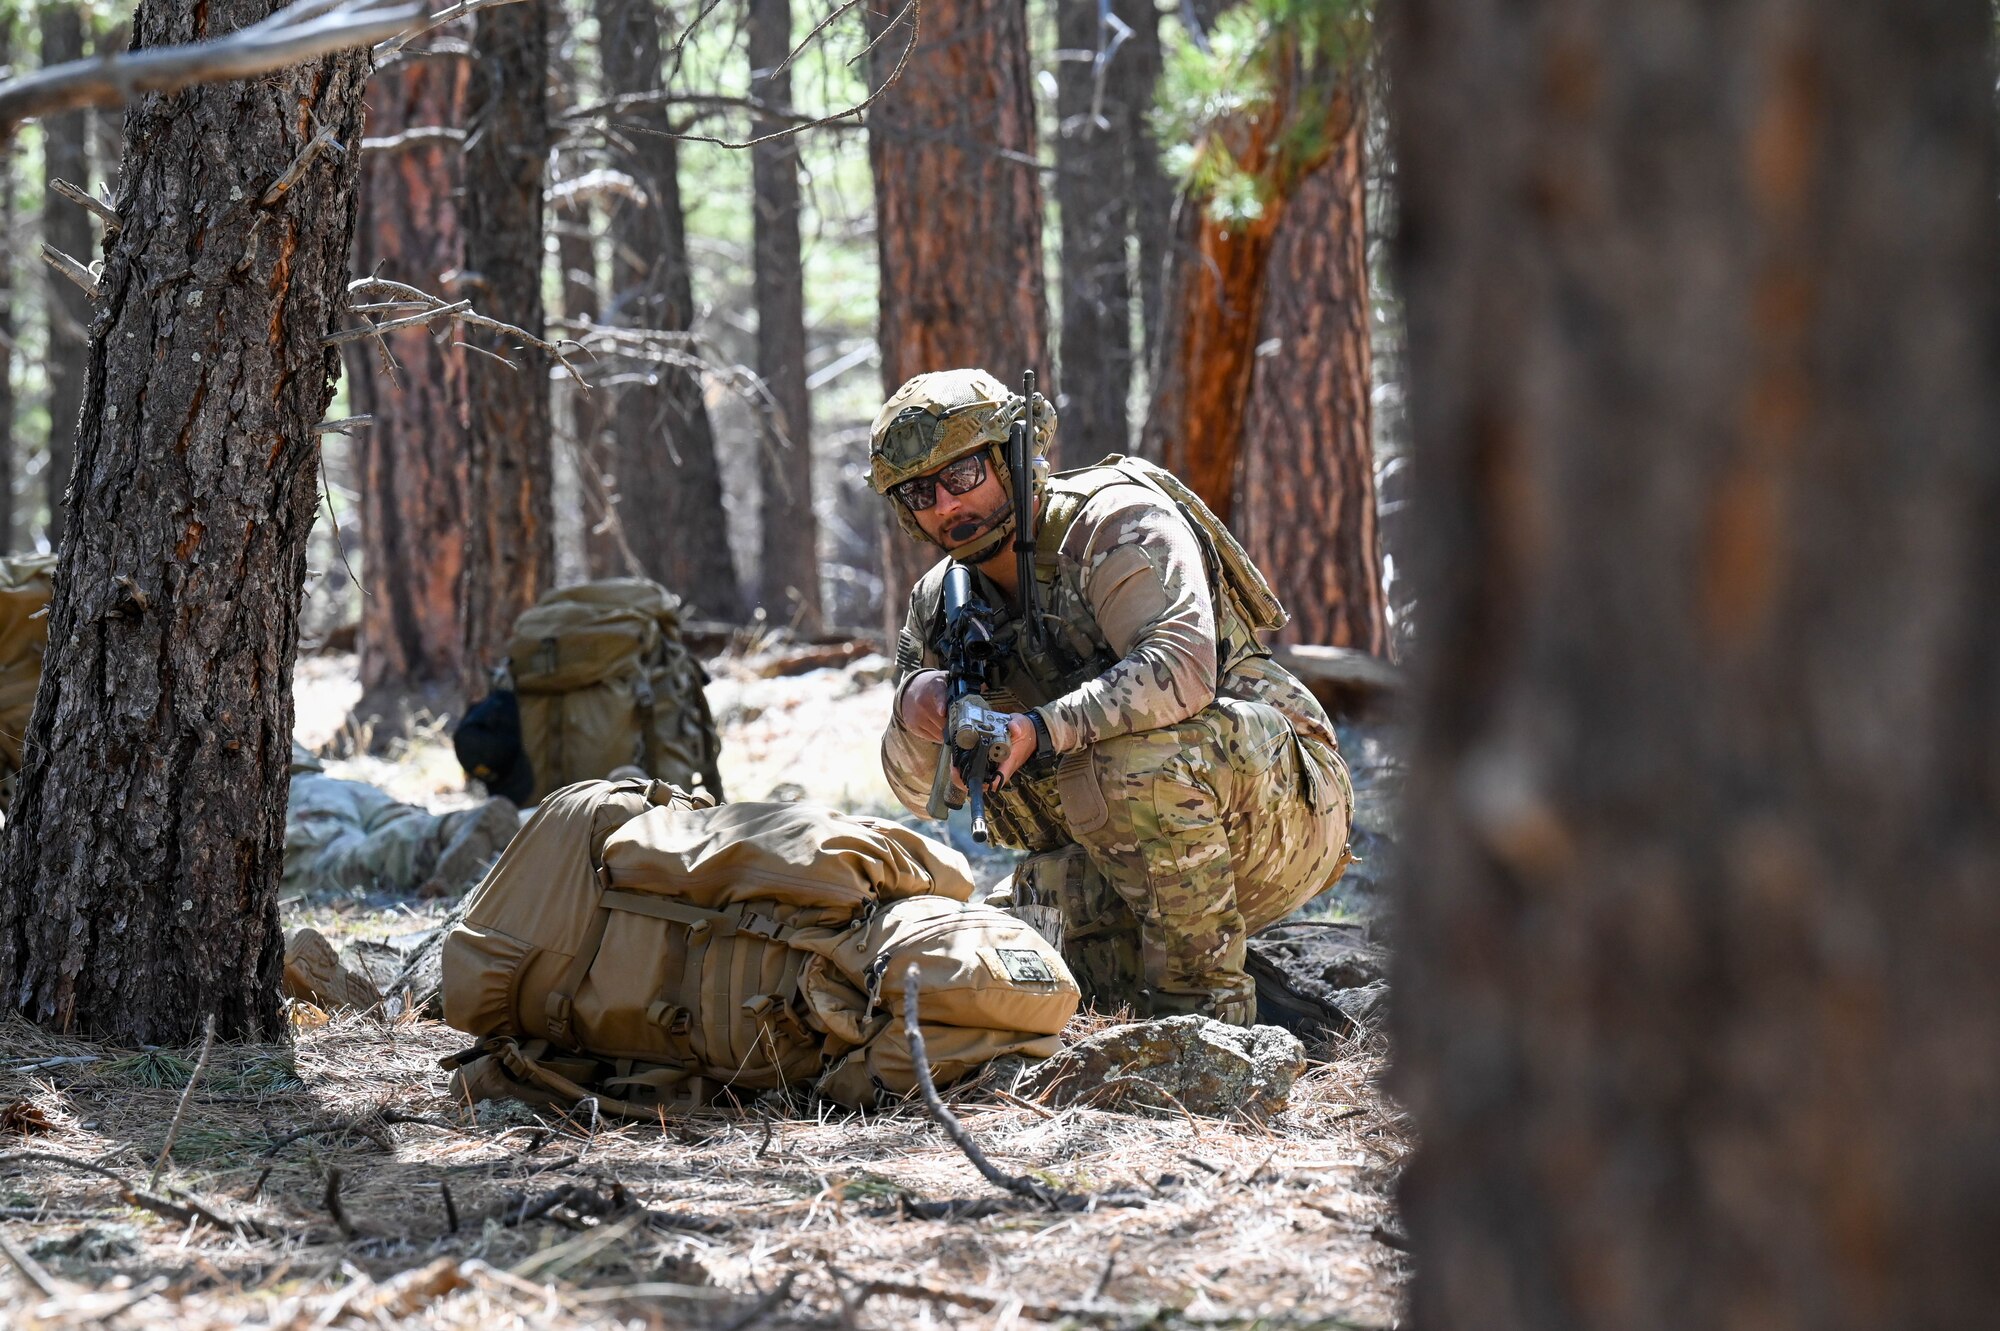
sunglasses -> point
(961, 476)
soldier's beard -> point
(968, 535)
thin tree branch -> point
(70, 268)
(294, 173)
(915, 10)
(375, 329)
(433, 307)
(415, 137)
(84, 199)
(577, 191)
(295, 34)
(30, 1269)
(450, 14)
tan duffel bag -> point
(988, 985)
(670, 946)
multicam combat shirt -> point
(1130, 583)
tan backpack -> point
(669, 945)
(988, 985)
(604, 681)
(640, 947)
(26, 584)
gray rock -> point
(1208, 1067)
(1365, 1004)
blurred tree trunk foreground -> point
(139, 885)
(958, 209)
(1699, 969)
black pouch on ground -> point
(488, 744)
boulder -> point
(1207, 1066)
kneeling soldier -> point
(1179, 788)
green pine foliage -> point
(1264, 57)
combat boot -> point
(472, 840)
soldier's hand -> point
(922, 708)
(1020, 746)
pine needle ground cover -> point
(334, 1183)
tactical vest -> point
(1072, 650)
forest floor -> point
(334, 1182)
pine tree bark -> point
(144, 847)
(65, 156)
(1305, 486)
(1699, 961)
(790, 540)
(961, 267)
(669, 481)
(1094, 198)
(582, 299)
(1133, 78)
(9, 300)
(510, 553)
(412, 459)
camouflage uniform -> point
(350, 835)
(1200, 779)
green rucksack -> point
(604, 681)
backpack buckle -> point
(669, 1017)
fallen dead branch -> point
(1018, 1184)
(187, 1094)
(334, 1206)
(188, 1208)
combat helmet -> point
(943, 415)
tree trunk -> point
(1213, 292)
(1131, 81)
(65, 156)
(9, 298)
(1699, 967)
(1094, 183)
(790, 552)
(413, 458)
(510, 556)
(1305, 490)
(961, 268)
(582, 296)
(146, 838)
(579, 411)
(669, 482)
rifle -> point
(1021, 476)
(975, 736)
(976, 740)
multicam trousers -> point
(1189, 838)
(348, 834)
